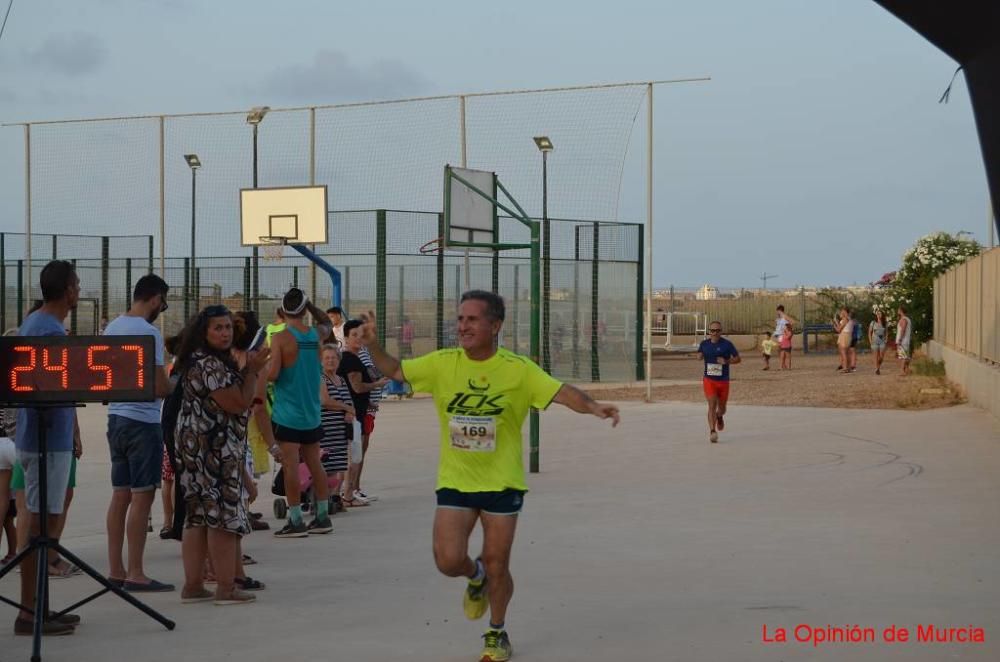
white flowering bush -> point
(912, 285)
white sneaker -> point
(359, 497)
(365, 497)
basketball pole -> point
(536, 280)
(465, 164)
(332, 271)
(648, 322)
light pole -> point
(194, 163)
(254, 118)
(545, 146)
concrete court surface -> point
(643, 542)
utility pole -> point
(764, 277)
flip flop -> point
(165, 533)
(248, 560)
(248, 584)
(68, 570)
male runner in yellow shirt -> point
(482, 394)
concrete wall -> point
(979, 379)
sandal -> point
(354, 503)
(248, 560)
(248, 584)
(166, 533)
(62, 569)
(237, 597)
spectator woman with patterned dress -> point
(211, 445)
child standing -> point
(767, 346)
(785, 345)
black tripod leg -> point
(124, 595)
(16, 561)
(41, 589)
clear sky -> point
(818, 152)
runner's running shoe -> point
(474, 599)
(496, 647)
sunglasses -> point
(715, 330)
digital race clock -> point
(77, 369)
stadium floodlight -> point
(543, 143)
(194, 163)
(254, 118)
(256, 114)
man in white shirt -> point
(336, 314)
(135, 440)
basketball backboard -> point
(292, 215)
(470, 217)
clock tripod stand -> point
(41, 544)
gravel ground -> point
(812, 382)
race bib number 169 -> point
(473, 433)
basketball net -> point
(274, 248)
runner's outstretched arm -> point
(324, 326)
(580, 402)
(388, 365)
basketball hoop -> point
(432, 246)
(274, 247)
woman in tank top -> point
(877, 331)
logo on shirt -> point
(476, 403)
(479, 389)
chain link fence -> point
(595, 293)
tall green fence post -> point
(55, 247)
(400, 309)
(73, 312)
(105, 277)
(3, 285)
(536, 290)
(128, 283)
(20, 292)
(187, 289)
(576, 302)
(151, 257)
(595, 357)
(640, 363)
(246, 284)
(439, 307)
(380, 275)
(517, 296)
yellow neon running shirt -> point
(481, 408)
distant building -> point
(707, 293)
